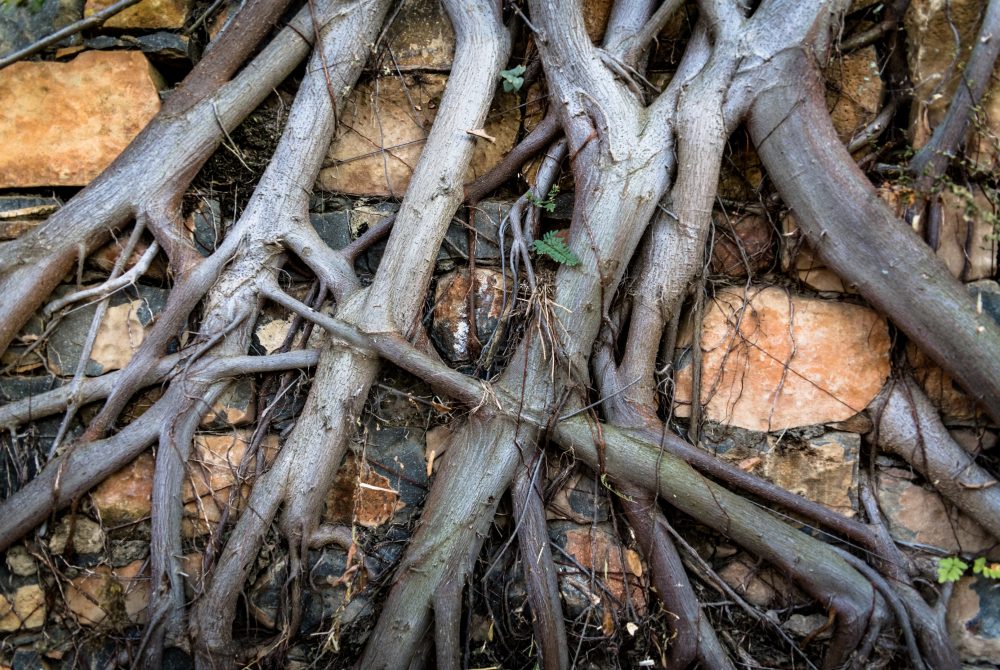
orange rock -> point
(361, 495)
(63, 123)
(124, 497)
(147, 14)
(212, 473)
(616, 566)
(743, 246)
(121, 593)
(772, 360)
(916, 514)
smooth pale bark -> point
(313, 452)
(908, 425)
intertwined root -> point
(639, 166)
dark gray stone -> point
(27, 206)
(66, 342)
(333, 226)
(32, 20)
(209, 226)
(161, 47)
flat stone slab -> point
(61, 124)
(774, 360)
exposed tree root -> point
(646, 175)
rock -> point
(334, 227)
(601, 572)
(375, 153)
(24, 610)
(20, 562)
(124, 497)
(104, 259)
(207, 225)
(421, 37)
(162, 48)
(121, 594)
(72, 119)
(772, 360)
(360, 495)
(24, 23)
(936, 69)
(131, 312)
(88, 536)
(325, 595)
(742, 173)
(452, 327)
(484, 226)
(236, 406)
(19, 214)
(815, 625)
(579, 499)
(799, 260)
(823, 468)
(212, 473)
(854, 91)
(918, 515)
(397, 454)
(760, 585)
(743, 246)
(595, 17)
(148, 14)
(973, 620)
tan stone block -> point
(121, 594)
(772, 360)
(854, 90)
(383, 129)
(25, 609)
(213, 471)
(63, 123)
(148, 14)
(421, 37)
(918, 515)
(125, 496)
(823, 469)
(88, 536)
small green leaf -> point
(951, 569)
(512, 78)
(988, 570)
(551, 245)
